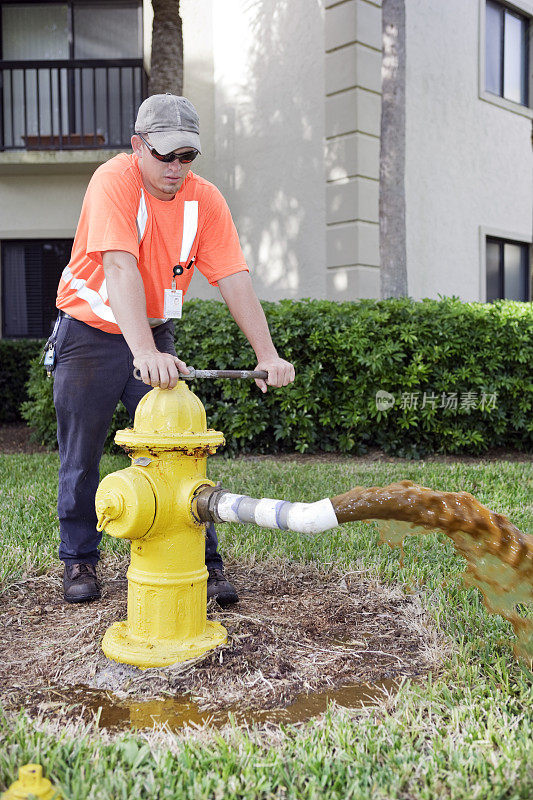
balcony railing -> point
(69, 105)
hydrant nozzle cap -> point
(109, 506)
(125, 504)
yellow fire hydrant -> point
(150, 503)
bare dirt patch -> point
(16, 438)
(295, 630)
(375, 455)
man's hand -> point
(246, 310)
(128, 303)
(160, 369)
(280, 372)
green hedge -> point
(345, 353)
(16, 357)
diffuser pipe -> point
(403, 501)
(214, 504)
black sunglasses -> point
(183, 158)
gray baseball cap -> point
(170, 122)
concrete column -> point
(353, 108)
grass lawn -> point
(466, 732)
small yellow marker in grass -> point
(31, 782)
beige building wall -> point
(468, 156)
(40, 202)
(289, 101)
(256, 73)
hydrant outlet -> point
(125, 504)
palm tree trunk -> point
(392, 234)
(167, 49)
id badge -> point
(173, 303)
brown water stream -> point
(499, 557)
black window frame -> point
(45, 329)
(526, 258)
(70, 16)
(503, 9)
(68, 139)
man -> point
(146, 221)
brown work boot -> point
(80, 583)
(220, 588)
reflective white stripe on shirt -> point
(92, 298)
(142, 217)
(190, 226)
(102, 291)
(97, 301)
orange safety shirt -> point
(119, 214)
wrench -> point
(215, 373)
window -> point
(72, 29)
(30, 275)
(506, 53)
(71, 72)
(507, 270)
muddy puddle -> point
(117, 715)
(298, 638)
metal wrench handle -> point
(224, 373)
(216, 373)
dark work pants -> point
(94, 370)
